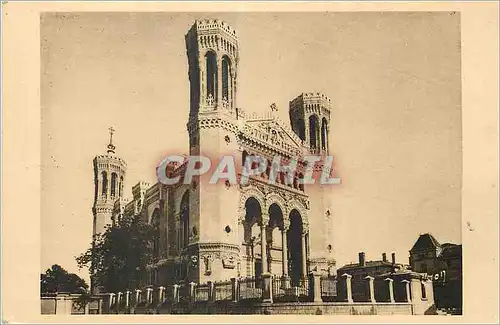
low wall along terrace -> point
(403, 293)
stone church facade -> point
(214, 232)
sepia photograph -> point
(251, 163)
(250, 160)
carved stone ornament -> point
(194, 261)
(207, 260)
(229, 262)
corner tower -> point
(310, 120)
(109, 175)
(211, 223)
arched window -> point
(226, 77)
(113, 184)
(184, 216)
(120, 189)
(211, 60)
(314, 131)
(104, 176)
(324, 134)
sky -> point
(395, 129)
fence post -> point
(149, 296)
(211, 291)
(137, 297)
(234, 289)
(127, 300)
(391, 289)
(110, 304)
(118, 301)
(347, 279)
(175, 298)
(371, 289)
(161, 299)
(267, 280)
(315, 286)
(192, 287)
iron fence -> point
(328, 288)
(249, 288)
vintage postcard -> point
(285, 162)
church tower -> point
(109, 175)
(212, 51)
(310, 120)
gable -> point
(276, 130)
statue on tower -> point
(111, 146)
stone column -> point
(218, 90)
(348, 287)
(407, 290)
(284, 255)
(391, 289)
(371, 290)
(267, 294)
(263, 244)
(203, 87)
(304, 254)
(286, 278)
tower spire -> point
(111, 147)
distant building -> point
(359, 271)
(444, 263)
(407, 285)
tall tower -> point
(109, 175)
(310, 120)
(212, 51)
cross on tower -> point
(111, 147)
(111, 132)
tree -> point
(57, 279)
(120, 257)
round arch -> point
(248, 193)
(301, 209)
(274, 198)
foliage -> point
(121, 255)
(57, 279)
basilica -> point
(215, 232)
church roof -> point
(425, 241)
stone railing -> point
(269, 288)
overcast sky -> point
(394, 81)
